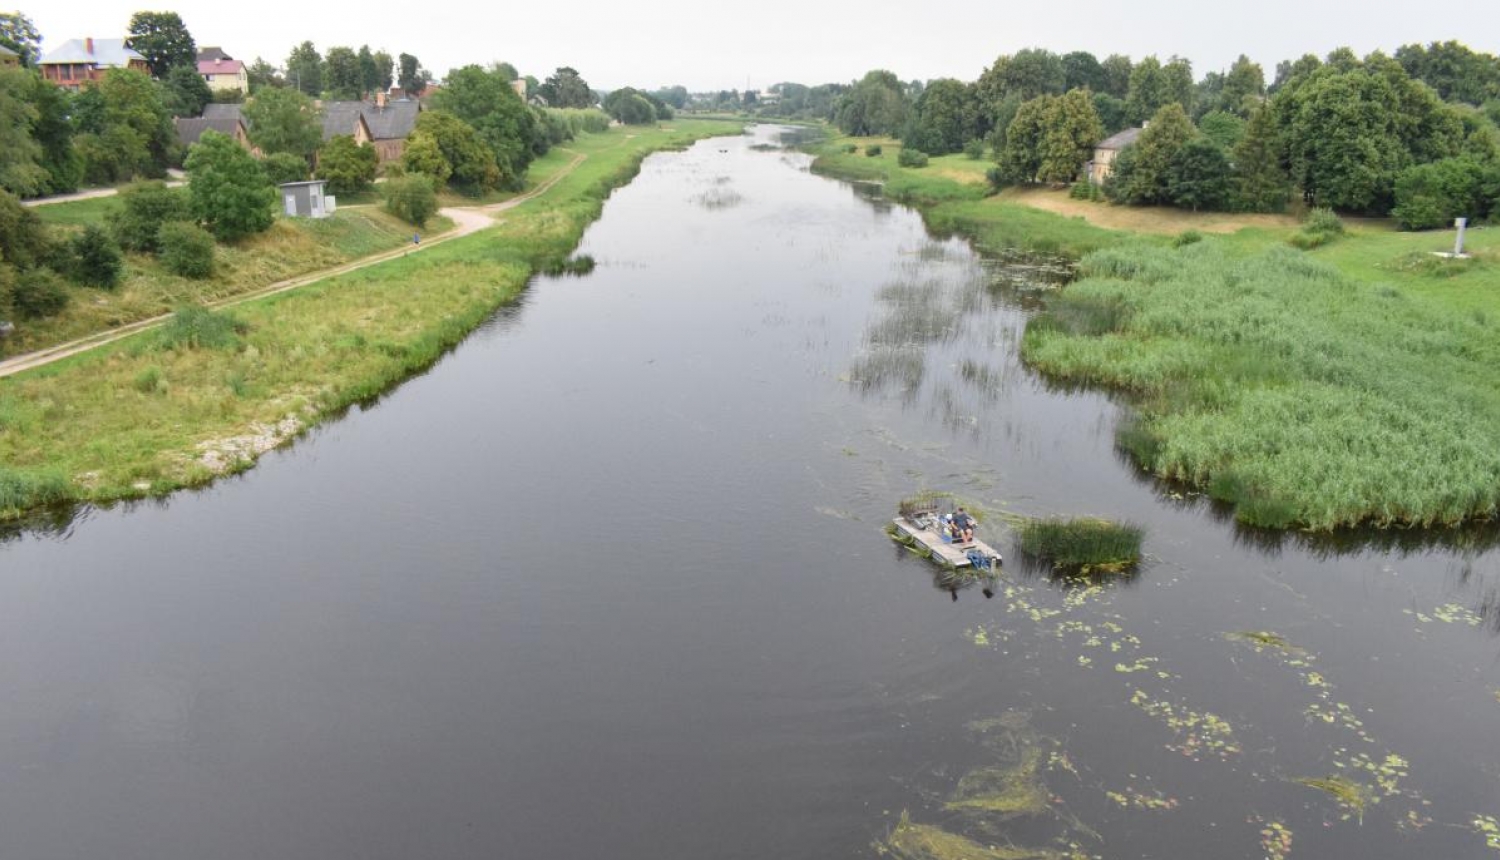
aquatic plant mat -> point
(1285, 388)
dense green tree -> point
(52, 129)
(1198, 176)
(1208, 95)
(677, 96)
(369, 72)
(1081, 70)
(1020, 157)
(228, 193)
(1289, 71)
(1029, 73)
(1143, 178)
(348, 167)
(1112, 113)
(125, 131)
(485, 100)
(411, 77)
(944, 118)
(1177, 78)
(144, 207)
(1115, 75)
(283, 167)
(304, 69)
(184, 92)
(998, 117)
(1072, 130)
(284, 120)
(261, 74)
(1349, 130)
(1224, 129)
(163, 40)
(564, 88)
(1244, 88)
(343, 79)
(1148, 90)
(1454, 70)
(21, 170)
(93, 258)
(467, 163)
(384, 71)
(630, 106)
(38, 293)
(20, 35)
(422, 156)
(875, 105)
(1432, 195)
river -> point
(609, 580)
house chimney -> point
(380, 101)
(88, 45)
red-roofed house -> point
(224, 74)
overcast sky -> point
(719, 45)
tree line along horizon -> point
(476, 135)
(1415, 136)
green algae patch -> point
(1275, 840)
(1004, 791)
(1352, 796)
(1264, 640)
(1487, 827)
(910, 841)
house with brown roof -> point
(1107, 151)
(189, 130)
(79, 61)
(386, 123)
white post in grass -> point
(1458, 246)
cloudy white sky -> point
(717, 45)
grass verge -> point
(1082, 546)
(156, 412)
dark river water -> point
(609, 581)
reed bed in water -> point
(1083, 545)
(1283, 387)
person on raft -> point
(964, 524)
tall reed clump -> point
(1282, 387)
(1082, 545)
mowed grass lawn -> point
(137, 417)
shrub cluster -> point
(410, 198)
(872, 150)
(186, 249)
(1319, 227)
(911, 157)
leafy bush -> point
(38, 293)
(186, 249)
(151, 381)
(410, 198)
(145, 206)
(851, 148)
(1085, 189)
(974, 150)
(283, 167)
(1430, 196)
(872, 150)
(93, 258)
(1319, 227)
(1186, 237)
(193, 327)
(346, 165)
(911, 158)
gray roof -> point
(107, 52)
(1121, 140)
(215, 110)
(394, 121)
(212, 53)
(7, 52)
(190, 130)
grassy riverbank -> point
(1352, 384)
(151, 413)
(292, 247)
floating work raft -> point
(971, 554)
